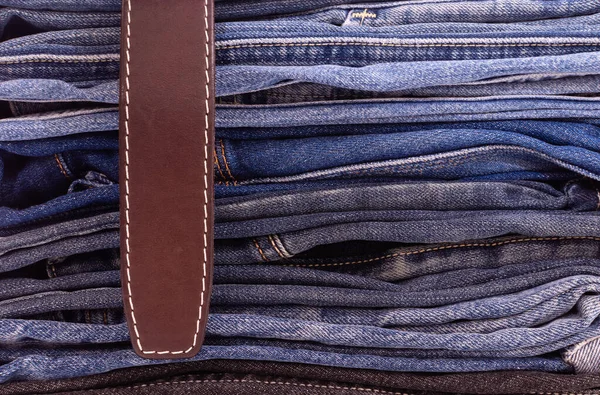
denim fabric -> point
(16, 22)
(529, 85)
(584, 356)
(409, 196)
(401, 186)
(526, 127)
(385, 77)
(275, 158)
(418, 12)
(58, 240)
(407, 111)
(498, 383)
(415, 12)
(36, 366)
(297, 235)
(66, 5)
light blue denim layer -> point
(574, 328)
(529, 85)
(393, 13)
(448, 196)
(57, 124)
(480, 313)
(406, 111)
(363, 112)
(463, 317)
(507, 10)
(584, 356)
(385, 77)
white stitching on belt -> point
(127, 234)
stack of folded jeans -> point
(408, 186)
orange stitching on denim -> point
(88, 317)
(260, 251)
(272, 241)
(218, 163)
(226, 162)
(61, 167)
(105, 317)
(406, 45)
(453, 246)
(343, 387)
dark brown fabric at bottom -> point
(225, 377)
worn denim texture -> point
(400, 186)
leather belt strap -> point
(166, 146)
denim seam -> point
(226, 162)
(61, 166)
(260, 250)
(277, 250)
(416, 45)
(285, 383)
(218, 164)
(277, 240)
(6, 63)
(419, 163)
(454, 246)
(206, 142)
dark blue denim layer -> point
(16, 22)
(34, 172)
(250, 159)
(39, 366)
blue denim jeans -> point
(366, 154)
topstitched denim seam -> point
(422, 162)
(226, 162)
(218, 164)
(405, 45)
(58, 61)
(61, 166)
(260, 250)
(67, 36)
(277, 250)
(453, 246)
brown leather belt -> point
(166, 145)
